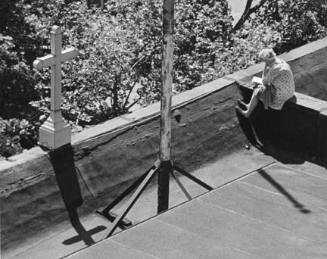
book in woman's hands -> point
(257, 80)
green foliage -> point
(16, 135)
(297, 21)
(242, 52)
(97, 85)
(16, 81)
(203, 30)
(120, 51)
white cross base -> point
(55, 133)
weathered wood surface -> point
(166, 102)
(167, 80)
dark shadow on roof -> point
(258, 132)
(62, 160)
(287, 135)
(283, 191)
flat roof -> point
(277, 211)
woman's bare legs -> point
(250, 106)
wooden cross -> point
(55, 133)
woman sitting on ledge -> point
(276, 88)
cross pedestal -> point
(55, 133)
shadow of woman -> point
(265, 131)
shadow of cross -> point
(83, 235)
(55, 132)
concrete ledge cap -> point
(137, 117)
(324, 112)
(152, 111)
(311, 102)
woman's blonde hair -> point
(267, 54)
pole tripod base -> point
(164, 169)
(111, 216)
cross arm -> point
(43, 62)
(50, 60)
(68, 54)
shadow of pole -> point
(62, 160)
(281, 189)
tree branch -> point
(129, 94)
(131, 105)
(247, 12)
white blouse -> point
(279, 83)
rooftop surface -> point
(260, 208)
(276, 211)
(63, 240)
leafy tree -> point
(120, 51)
(297, 21)
(202, 30)
(249, 9)
(16, 81)
(98, 84)
(21, 42)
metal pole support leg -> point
(164, 171)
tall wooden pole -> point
(166, 96)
